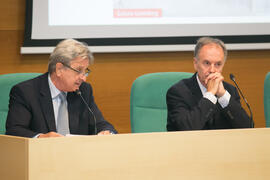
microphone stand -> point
(251, 116)
(78, 92)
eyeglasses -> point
(85, 73)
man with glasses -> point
(58, 102)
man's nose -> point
(212, 68)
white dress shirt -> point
(55, 98)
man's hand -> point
(50, 134)
(214, 84)
(221, 91)
(104, 132)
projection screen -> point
(146, 25)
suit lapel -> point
(46, 103)
(47, 107)
(194, 88)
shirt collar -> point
(203, 89)
(54, 91)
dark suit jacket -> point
(31, 110)
(188, 110)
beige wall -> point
(113, 74)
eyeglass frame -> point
(86, 74)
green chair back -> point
(148, 108)
(266, 99)
(7, 81)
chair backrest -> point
(7, 81)
(266, 99)
(148, 108)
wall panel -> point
(113, 74)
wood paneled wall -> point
(113, 74)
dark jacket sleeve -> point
(184, 112)
(101, 123)
(19, 114)
(234, 112)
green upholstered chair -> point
(7, 81)
(148, 108)
(266, 99)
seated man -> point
(205, 101)
(58, 102)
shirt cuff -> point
(36, 136)
(225, 99)
(211, 97)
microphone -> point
(251, 117)
(78, 92)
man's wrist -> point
(225, 99)
(211, 97)
(37, 136)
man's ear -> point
(58, 69)
(195, 63)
